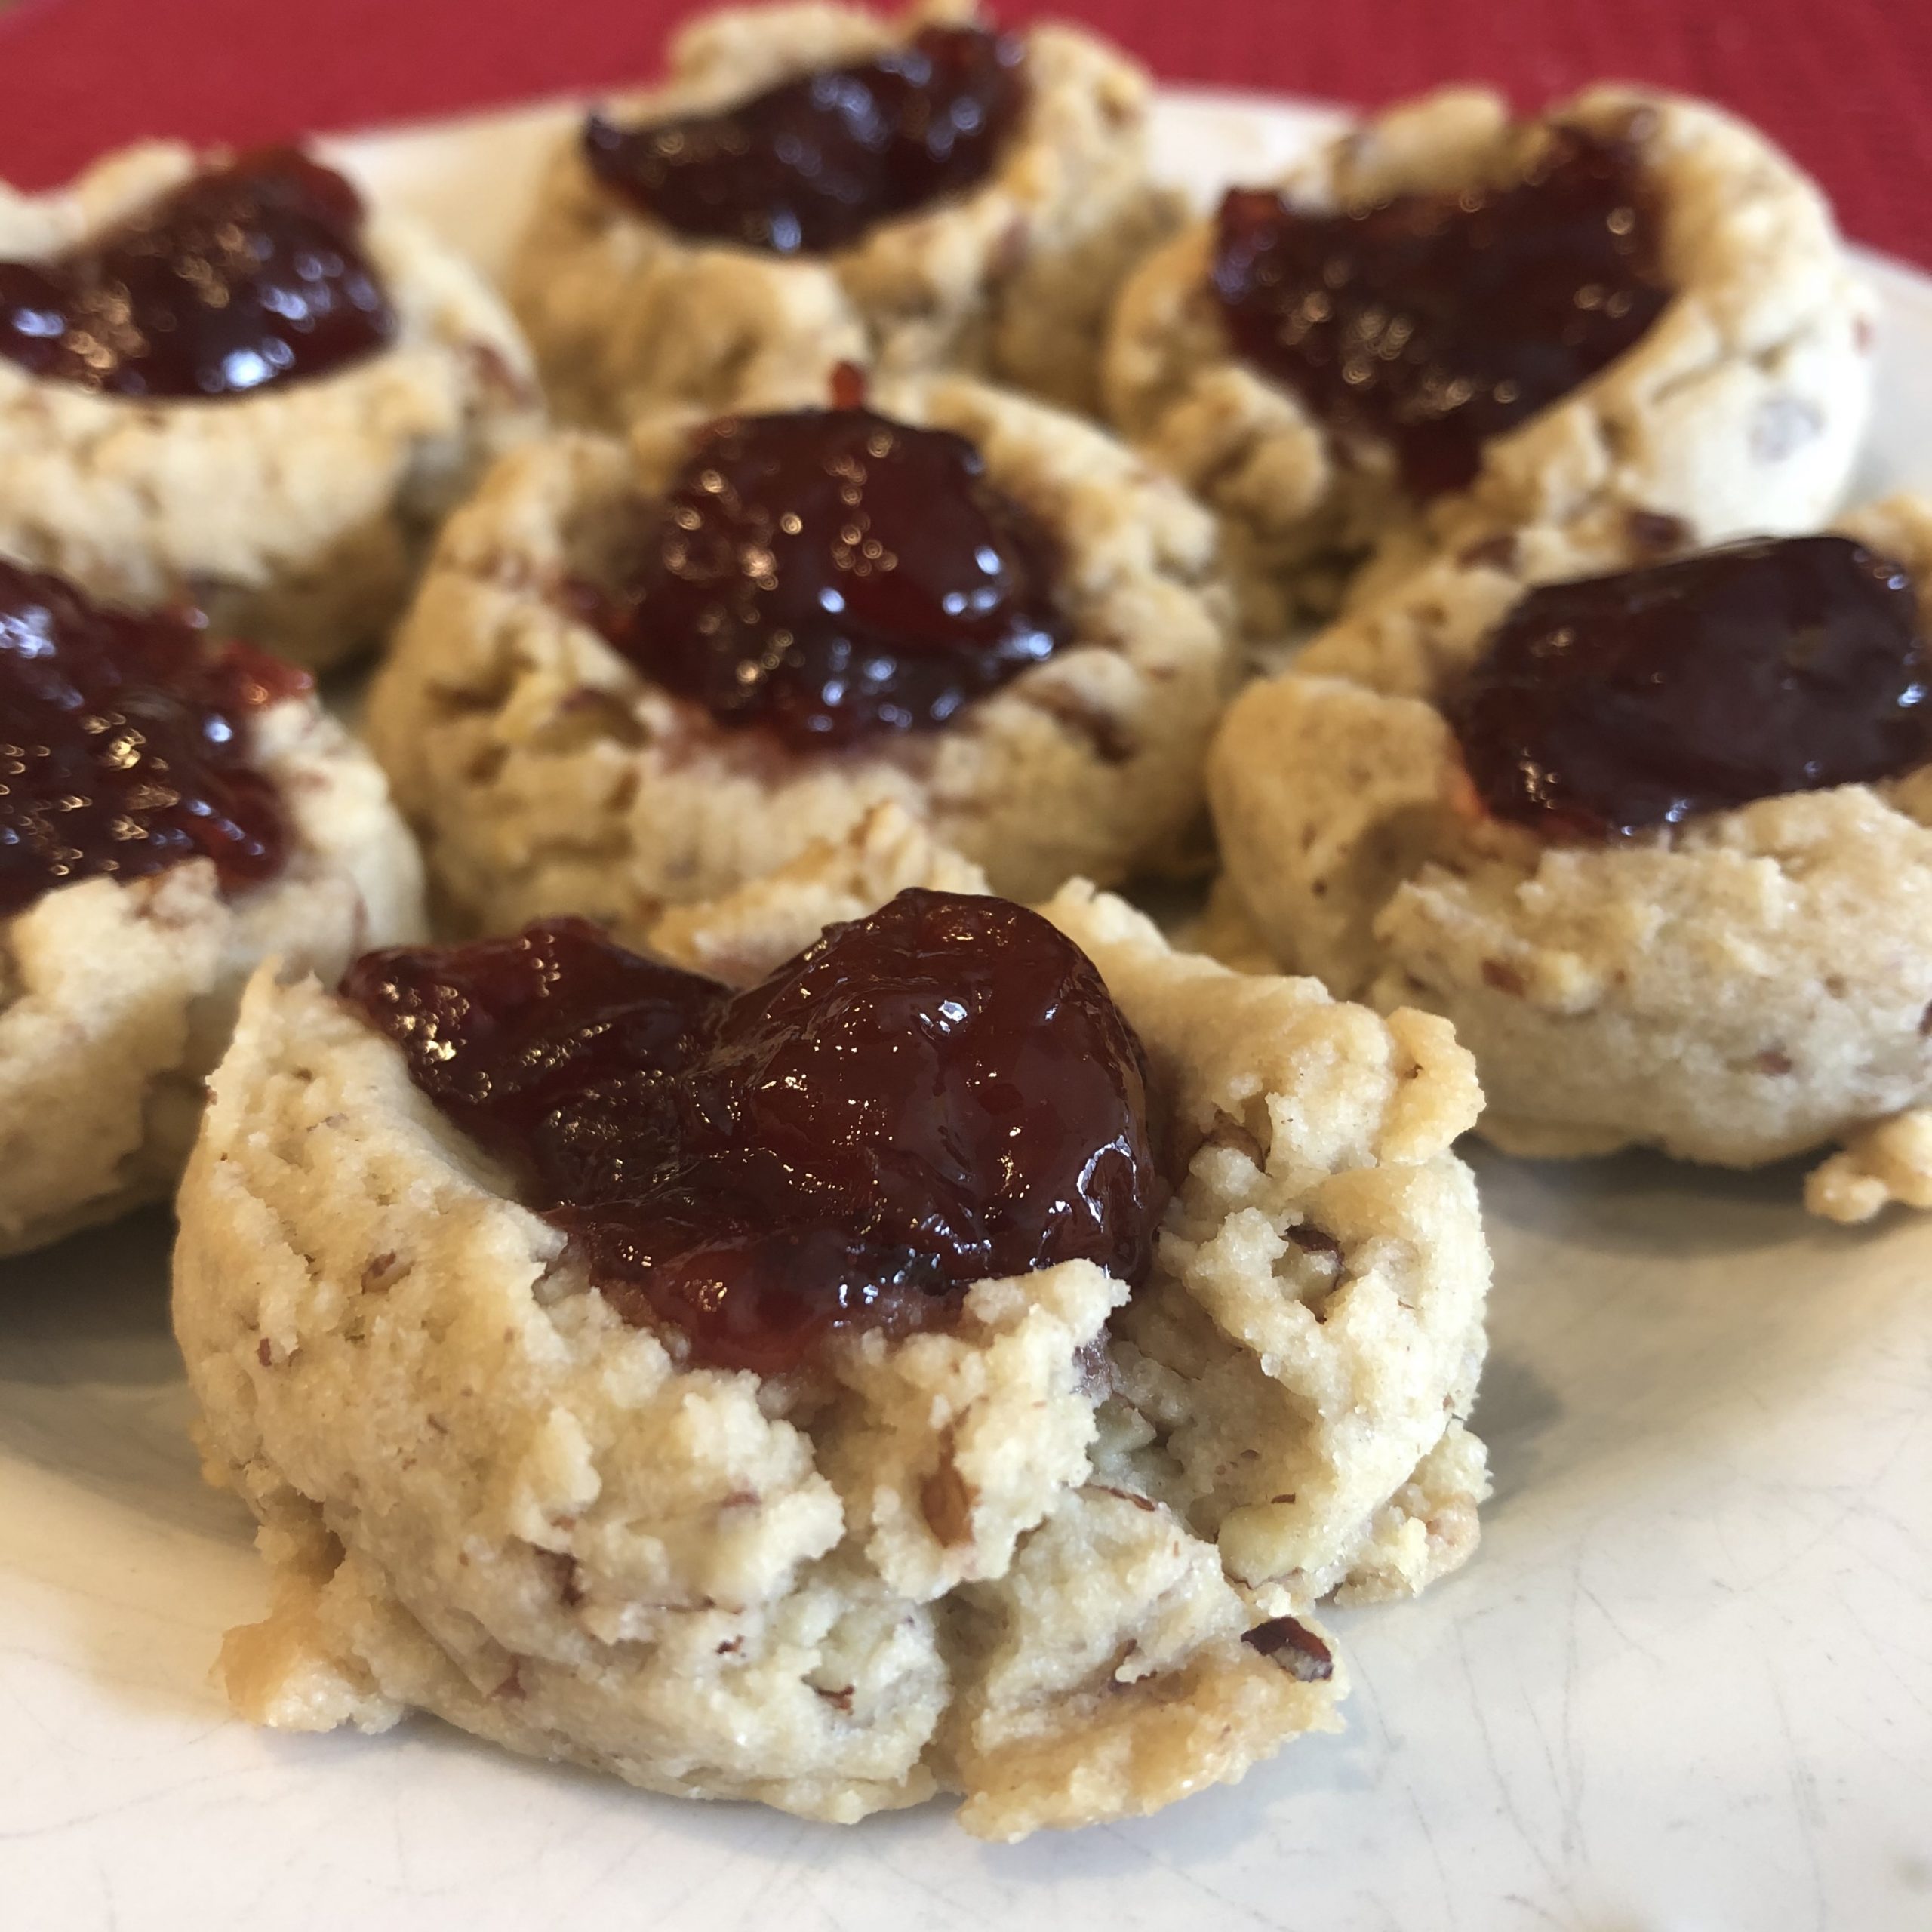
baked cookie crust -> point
(1013, 280)
(1015, 1560)
(296, 517)
(1749, 985)
(1739, 410)
(117, 999)
(546, 775)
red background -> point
(1846, 85)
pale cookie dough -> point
(1013, 279)
(1751, 984)
(116, 1000)
(546, 775)
(296, 517)
(1013, 1559)
(1739, 410)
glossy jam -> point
(1616, 703)
(829, 573)
(124, 745)
(1434, 322)
(942, 1092)
(810, 165)
(244, 276)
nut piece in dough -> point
(1058, 1558)
(117, 999)
(1739, 410)
(1745, 985)
(1013, 279)
(297, 516)
(546, 774)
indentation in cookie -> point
(808, 166)
(939, 1094)
(831, 573)
(126, 744)
(245, 275)
(1610, 705)
(1436, 321)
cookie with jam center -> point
(1050, 1539)
(640, 674)
(173, 810)
(814, 184)
(230, 379)
(1447, 323)
(1655, 835)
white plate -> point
(1686, 1684)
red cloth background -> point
(1846, 85)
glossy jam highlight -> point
(1434, 322)
(809, 166)
(829, 573)
(124, 746)
(245, 275)
(938, 1093)
(1615, 704)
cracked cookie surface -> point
(1056, 1559)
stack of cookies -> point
(715, 1246)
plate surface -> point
(1686, 1684)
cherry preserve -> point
(810, 165)
(124, 745)
(1615, 704)
(827, 573)
(938, 1093)
(244, 276)
(1434, 322)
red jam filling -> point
(124, 745)
(810, 165)
(1613, 704)
(829, 573)
(938, 1093)
(244, 276)
(1434, 322)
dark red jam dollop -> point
(124, 745)
(829, 573)
(1437, 322)
(940, 1093)
(809, 165)
(244, 276)
(1615, 703)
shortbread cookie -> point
(549, 771)
(1689, 357)
(1734, 982)
(1054, 1552)
(698, 266)
(284, 475)
(123, 950)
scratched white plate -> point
(1686, 1684)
